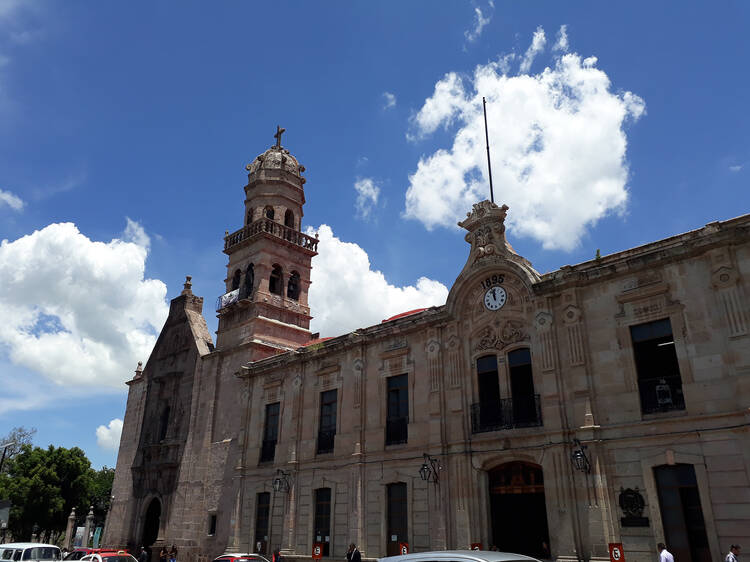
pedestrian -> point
(734, 552)
(64, 553)
(163, 554)
(277, 556)
(173, 554)
(664, 554)
(353, 554)
(143, 556)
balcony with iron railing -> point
(326, 439)
(507, 413)
(269, 227)
(268, 450)
(661, 394)
(396, 430)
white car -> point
(460, 556)
(113, 556)
(31, 551)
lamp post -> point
(429, 471)
(578, 457)
(5, 450)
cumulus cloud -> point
(480, 20)
(367, 196)
(108, 436)
(13, 201)
(389, 100)
(557, 139)
(78, 312)
(346, 293)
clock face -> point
(495, 298)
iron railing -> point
(396, 430)
(661, 394)
(326, 440)
(507, 413)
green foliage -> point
(19, 436)
(45, 484)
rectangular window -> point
(271, 433)
(262, 510)
(397, 417)
(322, 521)
(659, 381)
(489, 408)
(397, 517)
(327, 426)
(212, 524)
(525, 407)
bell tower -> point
(268, 275)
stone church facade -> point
(605, 402)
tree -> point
(101, 493)
(19, 436)
(44, 485)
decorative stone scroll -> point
(543, 324)
(732, 305)
(453, 351)
(358, 368)
(574, 330)
(433, 360)
(511, 332)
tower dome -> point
(276, 158)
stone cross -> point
(277, 136)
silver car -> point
(460, 556)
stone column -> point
(87, 528)
(69, 529)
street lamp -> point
(578, 457)
(5, 450)
(429, 471)
(281, 482)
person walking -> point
(734, 552)
(664, 554)
(143, 556)
(277, 557)
(353, 554)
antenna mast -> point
(487, 139)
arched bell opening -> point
(151, 523)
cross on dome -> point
(279, 131)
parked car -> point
(30, 551)
(235, 557)
(460, 556)
(109, 556)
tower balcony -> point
(271, 229)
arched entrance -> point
(518, 510)
(151, 523)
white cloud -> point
(77, 311)
(134, 233)
(347, 294)
(480, 21)
(536, 47)
(367, 196)
(557, 141)
(389, 100)
(13, 201)
(562, 40)
(108, 436)
(736, 168)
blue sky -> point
(125, 129)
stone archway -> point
(518, 509)
(151, 523)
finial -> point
(188, 286)
(279, 131)
(139, 369)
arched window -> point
(249, 280)
(289, 219)
(292, 289)
(236, 280)
(268, 212)
(274, 282)
(250, 216)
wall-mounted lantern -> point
(578, 457)
(281, 481)
(429, 471)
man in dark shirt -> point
(353, 554)
(143, 556)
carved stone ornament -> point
(632, 505)
(486, 226)
(511, 332)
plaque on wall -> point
(632, 504)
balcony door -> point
(397, 517)
(522, 388)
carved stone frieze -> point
(491, 338)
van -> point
(29, 551)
